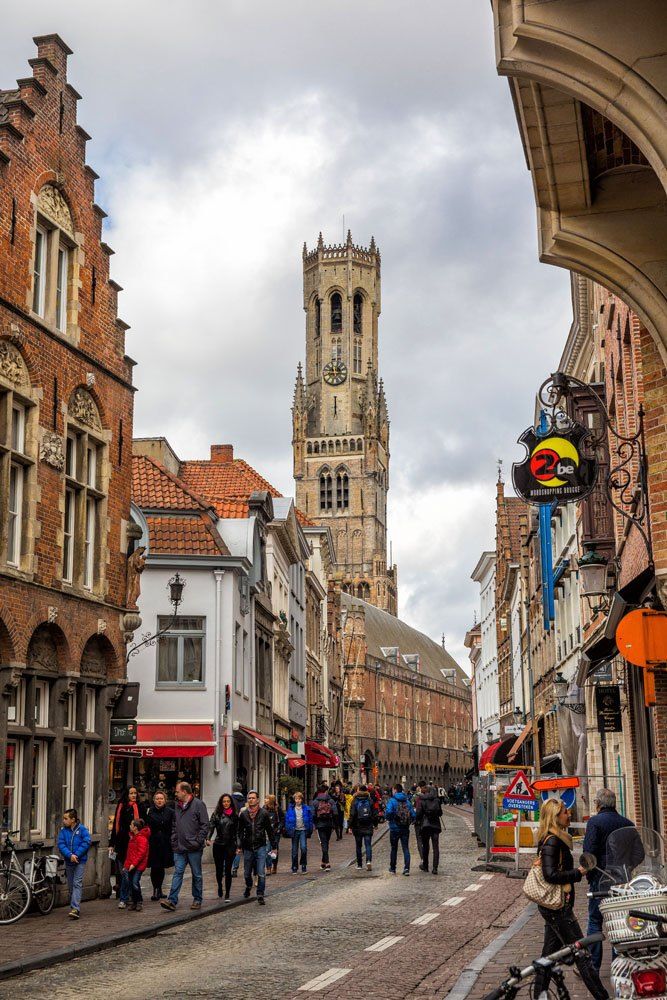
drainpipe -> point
(218, 574)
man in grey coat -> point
(188, 837)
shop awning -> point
(266, 743)
(320, 755)
(519, 741)
(169, 739)
(496, 753)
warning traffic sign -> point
(519, 794)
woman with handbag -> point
(550, 884)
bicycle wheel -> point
(44, 894)
(14, 896)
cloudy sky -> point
(227, 132)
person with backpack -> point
(429, 811)
(400, 814)
(362, 821)
(324, 809)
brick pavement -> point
(34, 935)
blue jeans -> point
(130, 885)
(367, 839)
(74, 874)
(299, 840)
(594, 924)
(235, 863)
(181, 859)
(257, 860)
(401, 835)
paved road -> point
(270, 952)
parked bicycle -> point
(35, 883)
(550, 965)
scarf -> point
(228, 812)
(253, 812)
(119, 811)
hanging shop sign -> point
(608, 707)
(555, 469)
(123, 732)
(641, 637)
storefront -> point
(163, 755)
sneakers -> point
(392, 871)
(139, 907)
(328, 867)
(131, 906)
(195, 904)
(369, 866)
(360, 868)
(154, 898)
(226, 899)
(246, 893)
(74, 914)
(406, 871)
(423, 868)
(122, 906)
(167, 904)
(304, 871)
(260, 900)
(323, 867)
(295, 871)
(434, 872)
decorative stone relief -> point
(101, 626)
(92, 659)
(42, 651)
(83, 408)
(51, 203)
(12, 679)
(52, 450)
(131, 622)
(52, 614)
(12, 365)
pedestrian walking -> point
(136, 862)
(324, 808)
(429, 811)
(188, 837)
(400, 814)
(362, 823)
(277, 817)
(239, 799)
(255, 832)
(598, 830)
(224, 826)
(74, 844)
(129, 808)
(349, 795)
(299, 828)
(554, 848)
(160, 821)
(338, 796)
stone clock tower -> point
(340, 423)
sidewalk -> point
(36, 942)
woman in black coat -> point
(224, 823)
(561, 926)
(160, 855)
(129, 808)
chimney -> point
(221, 453)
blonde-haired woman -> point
(554, 847)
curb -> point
(59, 955)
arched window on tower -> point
(336, 349)
(336, 313)
(318, 317)
(357, 356)
(358, 307)
(342, 491)
(326, 491)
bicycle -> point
(550, 964)
(36, 883)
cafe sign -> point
(556, 468)
(608, 708)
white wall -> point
(486, 680)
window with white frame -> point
(90, 709)
(62, 280)
(83, 508)
(17, 467)
(54, 284)
(39, 271)
(180, 652)
(11, 797)
(70, 711)
(39, 772)
(246, 665)
(69, 757)
(238, 660)
(41, 704)
(89, 785)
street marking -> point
(452, 901)
(425, 918)
(324, 980)
(475, 887)
(485, 877)
(384, 943)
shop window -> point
(180, 653)
(39, 773)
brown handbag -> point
(539, 891)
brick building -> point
(509, 511)
(66, 405)
(408, 712)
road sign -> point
(566, 795)
(560, 781)
(519, 794)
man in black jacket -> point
(254, 838)
(429, 811)
(324, 809)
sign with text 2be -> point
(555, 468)
(519, 794)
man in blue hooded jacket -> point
(400, 814)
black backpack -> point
(402, 814)
(364, 810)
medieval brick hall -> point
(282, 656)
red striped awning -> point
(170, 739)
(260, 740)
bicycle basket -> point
(619, 926)
(51, 863)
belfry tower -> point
(340, 423)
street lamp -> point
(489, 737)
(518, 714)
(560, 690)
(175, 587)
(593, 576)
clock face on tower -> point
(335, 373)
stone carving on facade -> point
(12, 365)
(93, 661)
(68, 688)
(52, 450)
(83, 408)
(51, 614)
(114, 691)
(131, 622)
(101, 626)
(42, 651)
(136, 564)
(12, 679)
(50, 202)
